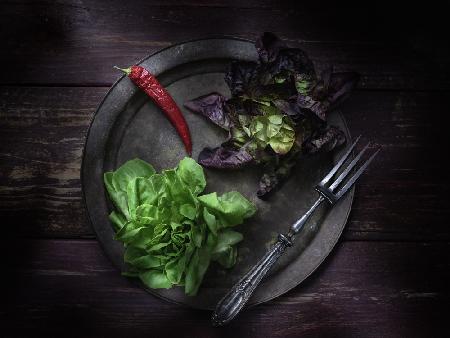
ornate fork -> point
(233, 302)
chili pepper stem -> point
(125, 70)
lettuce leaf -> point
(211, 106)
(278, 109)
(134, 168)
(241, 77)
(324, 139)
(326, 93)
(275, 173)
(172, 233)
(225, 157)
(268, 45)
(274, 130)
(231, 208)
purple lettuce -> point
(225, 158)
(276, 173)
(268, 46)
(327, 93)
(324, 139)
(241, 77)
(280, 88)
(211, 106)
(277, 62)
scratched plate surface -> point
(127, 125)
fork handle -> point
(233, 302)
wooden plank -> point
(405, 191)
(364, 289)
(402, 196)
(42, 135)
(75, 43)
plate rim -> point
(102, 244)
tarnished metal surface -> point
(127, 125)
(331, 190)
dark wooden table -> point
(388, 276)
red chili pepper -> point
(151, 86)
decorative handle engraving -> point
(232, 303)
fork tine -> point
(352, 180)
(338, 165)
(347, 170)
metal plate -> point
(127, 124)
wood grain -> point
(402, 196)
(78, 42)
(369, 289)
(389, 275)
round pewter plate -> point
(127, 125)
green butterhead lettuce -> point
(172, 233)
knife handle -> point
(233, 302)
